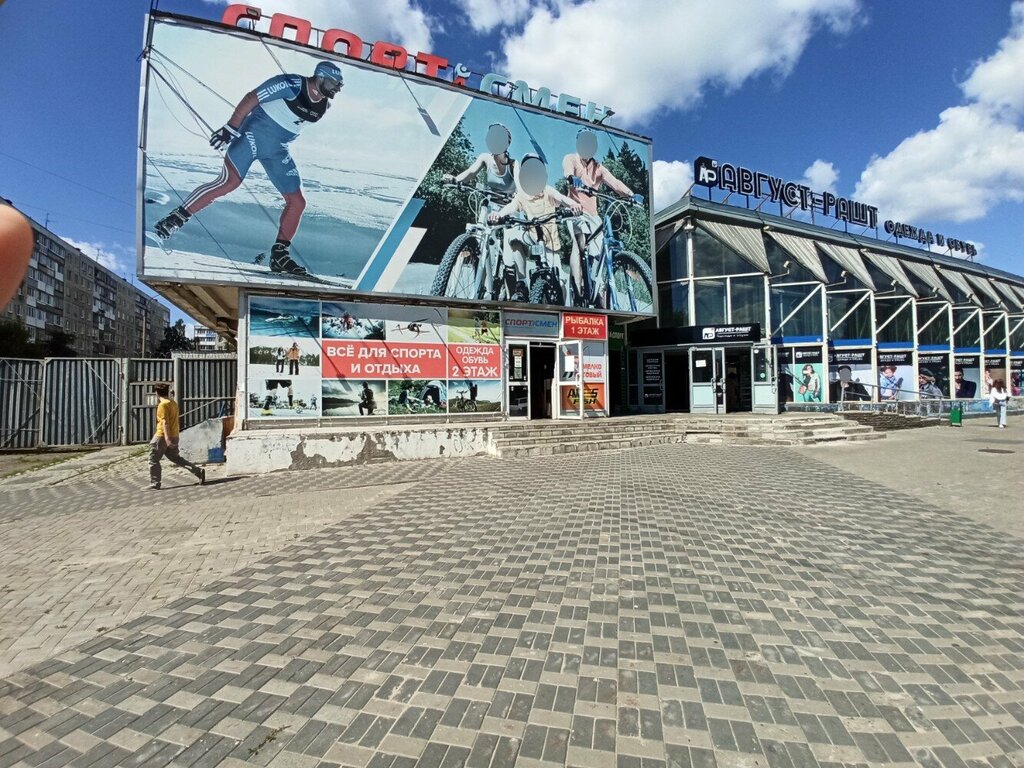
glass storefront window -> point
(672, 258)
(747, 298)
(933, 325)
(1017, 334)
(966, 328)
(709, 302)
(777, 256)
(834, 273)
(995, 330)
(711, 258)
(788, 320)
(674, 304)
(849, 320)
(894, 320)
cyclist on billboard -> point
(583, 169)
(262, 126)
(535, 198)
(496, 161)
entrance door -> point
(518, 368)
(762, 368)
(707, 389)
(542, 374)
(570, 380)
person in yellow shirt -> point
(165, 439)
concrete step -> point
(582, 432)
(518, 442)
(585, 446)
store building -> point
(432, 273)
(760, 312)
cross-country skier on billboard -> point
(262, 126)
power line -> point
(65, 178)
(59, 215)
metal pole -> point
(125, 405)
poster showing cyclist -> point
(522, 207)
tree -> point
(629, 168)
(446, 212)
(59, 344)
(14, 340)
(175, 340)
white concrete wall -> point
(258, 451)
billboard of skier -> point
(267, 163)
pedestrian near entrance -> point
(1000, 401)
(165, 439)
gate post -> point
(125, 406)
(41, 442)
(177, 366)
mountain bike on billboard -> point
(612, 277)
(462, 273)
(548, 283)
(480, 264)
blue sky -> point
(915, 107)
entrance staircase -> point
(557, 437)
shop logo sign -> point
(708, 334)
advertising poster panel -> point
(933, 381)
(1015, 383)
(595, 355)
(651, 367)
(344, 358)
(995, 370)
(267, 163)
(850, 375)
(284, 358)
(896, 379)
(966, 377)
(802, 375)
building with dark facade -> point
(760, 312)
(65, 290)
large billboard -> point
(266, 163)
(307, 359)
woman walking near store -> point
(999, 398)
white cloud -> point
(671, 180)
(996, 81)
(972, 160)
(821, 176)
(663, 54)
(485, 15)
(113, 256)
(399, 21)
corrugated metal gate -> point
(81, 401)
(204, 386)
(141, 411)
(106, 401)
(21, 389)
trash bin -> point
(956, 416)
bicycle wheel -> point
(459, 283)
(632, 286)
(546, 291)
(471, 405)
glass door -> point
(570, 380)
(707, 389)
(518, 381)
(765, 398)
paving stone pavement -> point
(665, 607)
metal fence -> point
(21, 389)
(106, 401)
